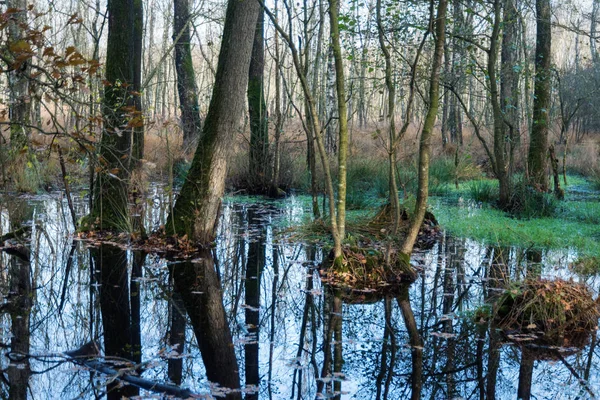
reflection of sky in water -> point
(464, 263)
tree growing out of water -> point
(196, 210)
(337, 207)
(257, 109)
(439, 29)
(121, 145)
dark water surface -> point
(251, 318)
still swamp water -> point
(251, 318)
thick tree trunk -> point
(259, 128)
(538, 139)
(196, 210)
(121, 146)
(427, 131)
(186, 77)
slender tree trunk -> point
(254, 268)
(334, 7)
(186, 77)
(594, 31)
(391, 117)
(18, 82)
(197, 207)
(509, 87)
(332, 112)
(500, 142)
(427, 131)
(278, 114)
(313, 119)
(538, 140)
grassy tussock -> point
(559, 312)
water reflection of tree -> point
(20, 304)
(120, 309)
(176, 334)
(254, 268)
(19, 294)
(200, 290)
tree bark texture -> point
(191, 123)
(510, 73)
(196, 210)
(259, 128)
(538, 140)
(122, 143)
(500, 142)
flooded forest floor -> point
(252, 319)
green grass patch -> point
(483, 190)
(494, 226)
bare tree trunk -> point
(427, 131)
(594, 31)
(197, 207)
(186, 77)
(259, 128)
(509, 86)
(122, 142)
(18, 372)
(19, 107)
(116, 311)
(334, 6)
(278, 114)
(391, 117)
(313, 119)
(538, 143)
(500, 145)
(416, 343)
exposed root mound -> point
(548, 313)
(383, 222)
(362, 271)
(385, 217)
